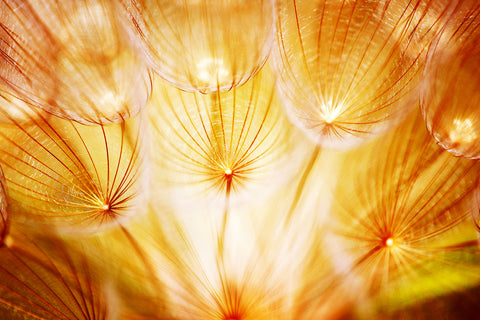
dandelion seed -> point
(212, 146)
(217, 284)
(342, 75)
(75, 177)
(415, 24)
(450, 76)
(124, 255)
(400, 216)
(202, 45)
(76, 65)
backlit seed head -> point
(405, 204)
(222, 143)
(76, 65)
(203, 45)
(74, 177)
(450, 91)
(341, 74)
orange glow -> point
(239, 159)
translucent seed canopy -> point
(77, 64)
(450, 76)
(213, 145)
(458, 22)
(204, 45)
(22, 60)
(71, 176)
(342, 74)
(406, 208)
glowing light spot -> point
(228, 171)
(330, 112)
(106, 207)
(462, 131)
(389, 242)
(111, 101)
(8, 241)
(212, 70)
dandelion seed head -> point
(217, 55)
(338, 98)
(402, 211)
(82, 183)
(220, 143)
